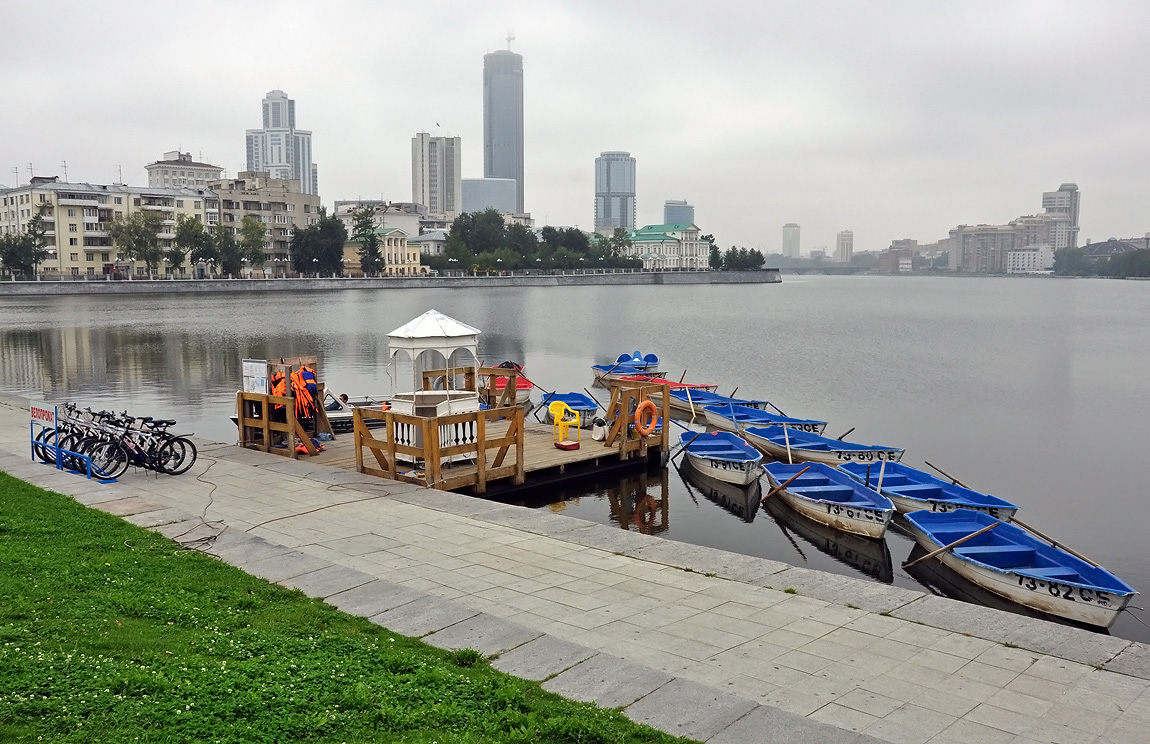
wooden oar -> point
(777, 409)
(690, 402)
(787, 440)
(732, 395)
(945, 548)
(683, 376)
(684, 447)
(848, 431)
(592, 397)
(782, 486)
(953, 480)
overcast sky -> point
(892, 119)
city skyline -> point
(840, 132)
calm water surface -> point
(1031, 389)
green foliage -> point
(192, 239)
(115, 634)
(318, 248)
(715, 259)
(252, 235)
(364, 232)
(1074, 262)
(739, 259)
(22, 253)
(230, 252)
(466, 657)
(138, 238)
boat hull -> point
(906, 505)
(1090, 606)
(857, 520)
(829, 457)
(724, 423)
(727, 471)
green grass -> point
(111, 633)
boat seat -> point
(1054, 572)
(826, 492)
(921, 491)
(1001, 556)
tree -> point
(252, 237)
(1072, 261)
(522, 241)
(193, 240)
(364, 233)
(138, 238)
(332, 236)
(22, 253)
(619, 242)
(716, 259)
(230, 252)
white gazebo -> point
(425, 339)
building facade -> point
(980, 248)
(405, 216)
(1064, 202)
(276, 202)
(399, 258)
(503, 120)
(489, 193)
(791, 240)
(279, 149)
(669, 247)
(844, 247)
(435, 174)
(614, 192)
(1035, 259)
(177, 170)
(678, 212)
(432, 243)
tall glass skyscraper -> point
(279, 148)
(503, 119)
(614, 192)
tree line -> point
(734, 259)
(1074, 262)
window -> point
(180, 203)
(119, 200)
(197, 205)
(73, 241)
(74, 256)
(71, 212)
(89, 256)
(119, 215)
(71, 226)
(91, 271)
(103, 256)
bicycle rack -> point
(60, 454)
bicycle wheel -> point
(177, 455)
(109, 460)
(71, 443)
(47, 437)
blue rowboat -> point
(607, 372)
(832, 497)
(723, 456)
(731, 417)
(585, 405)
(646, 363)
(793, 444)
(692, 401)
(913, 490)
(1014, 564)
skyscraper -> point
(280, 149)
(678, 212)
(791, 240)
(614, 192)
(1064, 202)
(435, 176)
(503, 119)
(844, 247)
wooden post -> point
(481, 452)
(389, 429)
(430, 451)
(357, 437)
(520, 471)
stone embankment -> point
(195, 286)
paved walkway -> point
(694, 641)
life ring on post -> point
(646, 428)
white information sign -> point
(43, 413)
(255, 372)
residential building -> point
(614, 192)
(279, 149)
(499, 194)
(1034, 259)
(278, 203)
(435, 174)
(76, 216)
(405, 216)
(669, 247)
(432, 243)
(178, 170)
(900, 257)
(503, 120)
(844, 247)
(791, 240)
(678, 212)
(399, 258)
(1064, 202)
(986, 248)
(818, 254)
(980, 248)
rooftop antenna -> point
(16, 174)
(31, 173)
(120, 170)
(510, 38)
(64, 165)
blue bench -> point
(1000, 556)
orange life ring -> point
(645, 429)
(644, 515)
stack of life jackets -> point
(303, 387)
(279, 388)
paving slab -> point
(487, 634)
(189, 530)
(769, 725)
(281, 567)
(326, 581)
(685, 708)
(158, 517)
(368, 600)
(607, 681)
(1133, 660)
(544, 657)
(126, 506)
(424, 615)
(243, 548)
(612, 539)
(705, 560)
(842, 590)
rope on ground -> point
(347, 486)
(202, 543)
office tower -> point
(435, 174)
(480, 194)
(279, 149)
(1064, 202)
(678, 212)
(614, 192)
(791, 240)
(844, 247)
(503, 119)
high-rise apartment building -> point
(987, 248)
(503, 119)
(615, 192)
(844, 247)
(791, 240)
(678, 212)
(178, 170)
(435, 174)
(1064, 202)
(279, 149)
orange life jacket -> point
(279, 386)
(304, 402)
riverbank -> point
(694, 641)
(247, 286)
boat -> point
(648, 363)
(1012, 563)
(913, 490)
(609, 372)
(785, 443)
(692, 400)
(584, 404)
(731, 417)
(656, 380)
(867, 556)
(832, 497)
(742, 501)
(523, 386)
(723, 456)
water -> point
(1031, 389)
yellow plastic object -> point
(563, 417)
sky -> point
(891, 119)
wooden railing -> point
(453, 450)
(261, 417)
(625, 399)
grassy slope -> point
(112, 633)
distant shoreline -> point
(200, 286)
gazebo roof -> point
(433, 324)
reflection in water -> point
(742, 501)
(634, 507)
(871, 557)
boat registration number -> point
(870, 456)
(942, 506)
(851, 512)
(812, 428)
(1065, 591)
